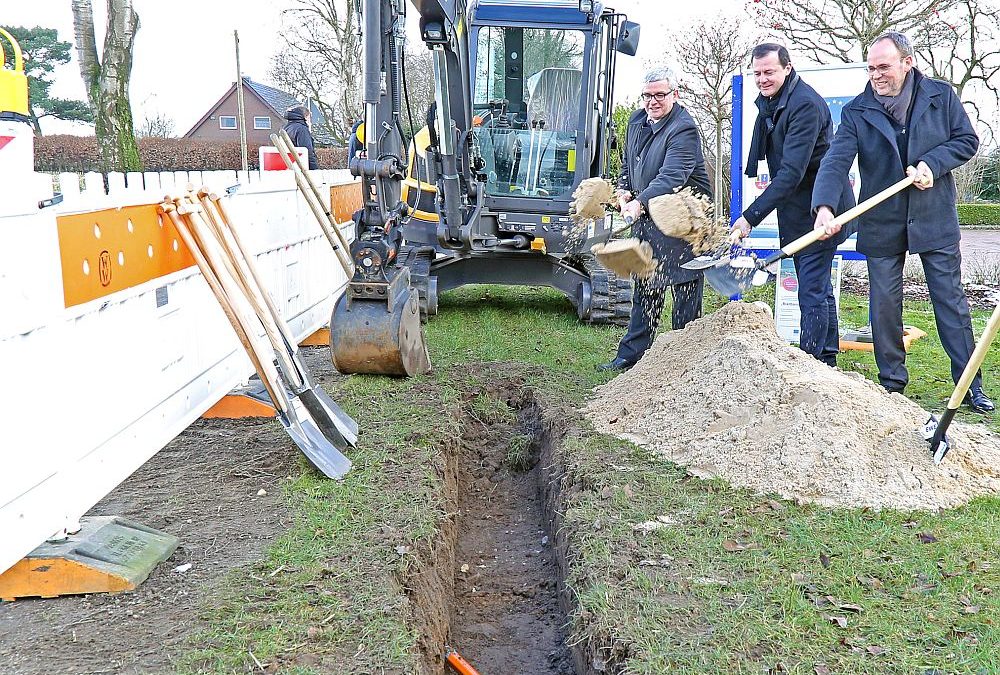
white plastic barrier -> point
(95, 387)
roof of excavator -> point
(533, 11)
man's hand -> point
(739, 230)
(925, 179)
(632, 209)
(624, 197)
(825, 222)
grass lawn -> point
(734, 583)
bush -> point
(79, 154)
(979, 214)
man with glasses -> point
(904, 123)
(662, 154)
(792, 132)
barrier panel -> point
(111, 342)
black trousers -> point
(819, 332)
(647, 306)
(943, 270)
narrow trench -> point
(506, 615)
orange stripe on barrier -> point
(103, 252)
(237, 406)
(345, 200)
(320, 338)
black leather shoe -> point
(894, 390)
(979, 401)
(616, 365)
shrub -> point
(979, 214)
(79, 154)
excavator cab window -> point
(527, 100)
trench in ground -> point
(494, 588)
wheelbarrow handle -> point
(812, 237)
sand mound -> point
(727, 397)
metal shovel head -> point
(335, 424)
(345, 425)
(703, 262)
(313, 443)
(728, 280)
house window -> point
(227, 121)
(261, 122)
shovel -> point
(936, 430)
(291, 412)
(744, 272)
(336, 424)
(726, 250)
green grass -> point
(329, 595)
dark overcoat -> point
(659, 161)
(794, 145)
(299, 132)
(939, 134)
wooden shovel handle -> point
(267, 372)
(812, 237)
(976, 360)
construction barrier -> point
(111, 342)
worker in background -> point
(298, 125)
(662, 154)
(904, 123)
(792, 133)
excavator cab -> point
(524, 98)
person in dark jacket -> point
(793, 132)
(297, 127)
(906, 124)
(662, 154)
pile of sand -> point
(727, 397)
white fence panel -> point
(95, 389)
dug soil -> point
(506, 615)
(726, 397)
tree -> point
(842, 30)
(321, 60)
(963, 48)
(710, 53)
(43, 51)
(107, 80)
(155, 125)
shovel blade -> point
(728, 281)
(313, 443)
(702, 262)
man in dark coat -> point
(793, 132)
(905, 123)
(298, 130)
(662, 154)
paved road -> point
(985, 242)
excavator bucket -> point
(376, 329)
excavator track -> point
(610, 296)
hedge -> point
(979, 214)
(79, 154)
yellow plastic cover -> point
(13, 83)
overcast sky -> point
(184, 58)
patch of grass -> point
(330, 596)
(518, 457)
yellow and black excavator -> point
(522, 113)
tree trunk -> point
(107, 80)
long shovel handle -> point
(812, 237)
(939, 439)
(294, 156)
(264, 368)
(322, 214)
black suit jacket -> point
(658, 162)
(794, 146)
(939, 134)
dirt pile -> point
(727, 397)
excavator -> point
(522, 113)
